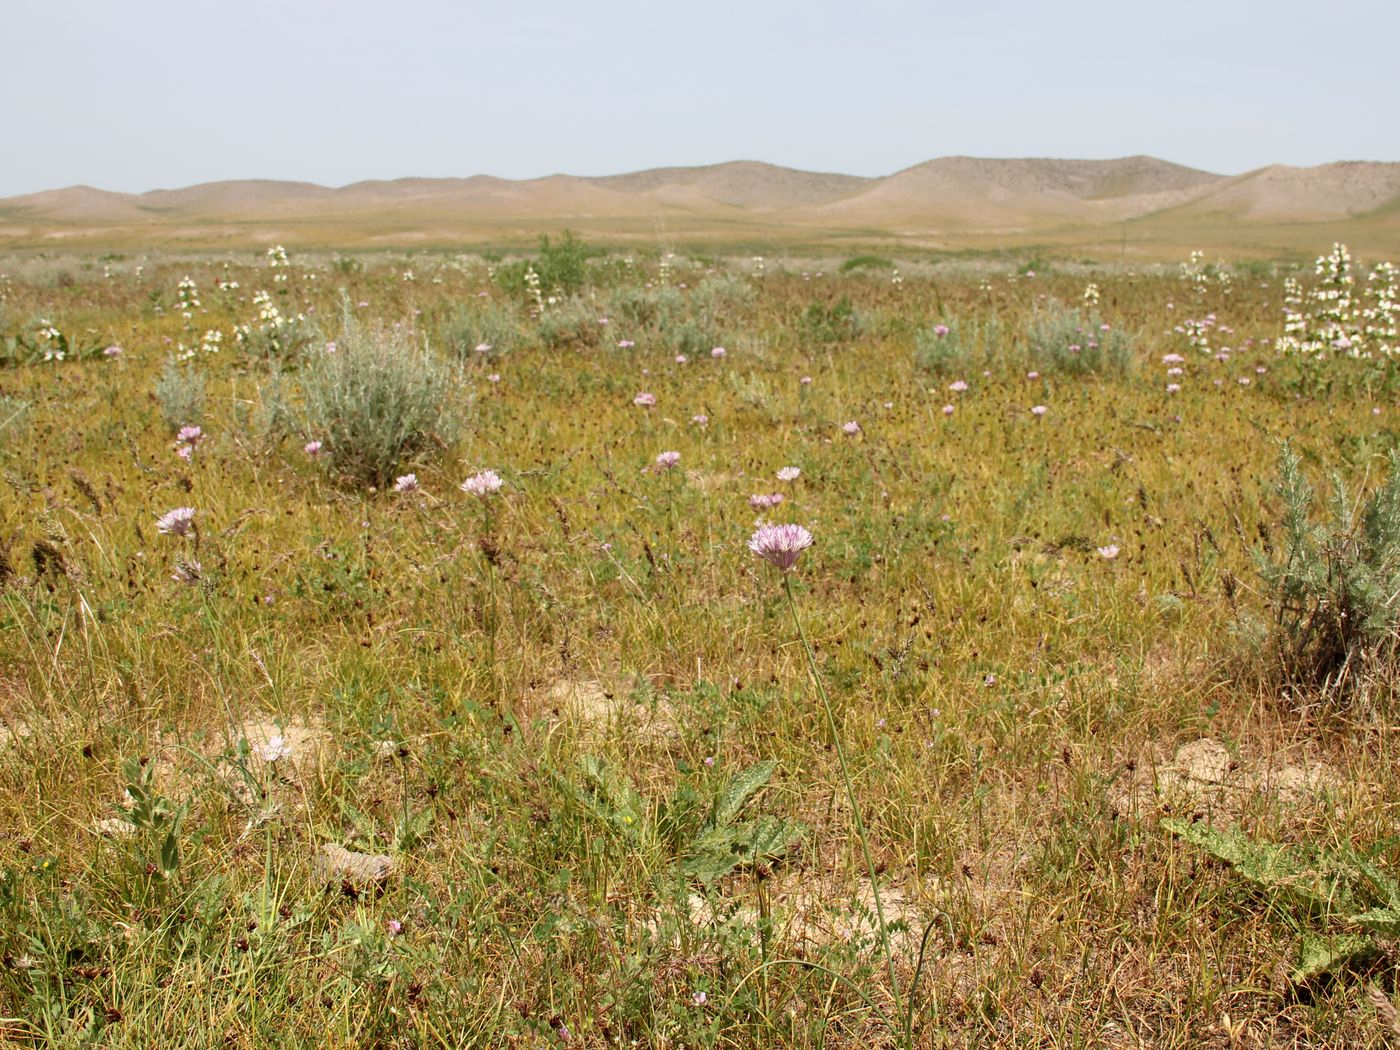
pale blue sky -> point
(149, 93)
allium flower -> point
(395, 927)
(312, 448)
(681, 359)
(644, 399)
(700, 419)
(1172, 388)
(1172, 359)
(806, 380)
(718, 351)
(698, 998)
(1110, 552)
(1039, 410)
(958, 386)
(765, 502)
(275, 749)
(177, 522)
(483, 483)
(185, 452)
(940, 330)
(406, 483)
(494, 377)
(779, 545)
(788, 473)
(484, 348)
(667, 460)
(190, 435)
(625, 344)
(947, 410)
(851, 427)
(112, 351)
(1032, 375)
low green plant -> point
(1347, 906)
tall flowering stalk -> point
(781, 546)
(484, 485)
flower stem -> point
(850, 794)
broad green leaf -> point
(740, 791)
(1382, 920)
(1320, 953)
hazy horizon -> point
(153, 95)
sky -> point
(151, 94)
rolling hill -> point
(940, 202)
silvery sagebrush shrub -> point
(1332, 582)
(377, 398)
(486, 330)
(180, 391)
(1065, 339)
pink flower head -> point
(483, 483)
(1032, 375)
(494, 377)
(190, 435)
(940, 330)
(112, 351)
(806, 380)
(765, 502)
(312, 448)
(625, 344)
(718, 351)
(681, 359)
(484, 348)
(700, 419)
(190, 572)
(851, 427)
(667, 460)
(779, 545)
(788, 473)
(958, 386)
(406, 483)
(1039, 410)
(177, 522)
(947, 410)
(644, 399)
(1109, 553)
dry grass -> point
(426, 864)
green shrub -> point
(1061, 339)
(379, 399)
(838, 322)
(866, 262)
(569, 323)
(1333, 586)
(180, 391)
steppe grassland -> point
(527, 707)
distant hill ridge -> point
(968, 194)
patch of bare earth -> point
(1204, 776)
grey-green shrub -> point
(380, 398)
(1333, 585)
(493, 325)
(1064, 339)
(947, 346)
(180, 391)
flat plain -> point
(302, 742)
